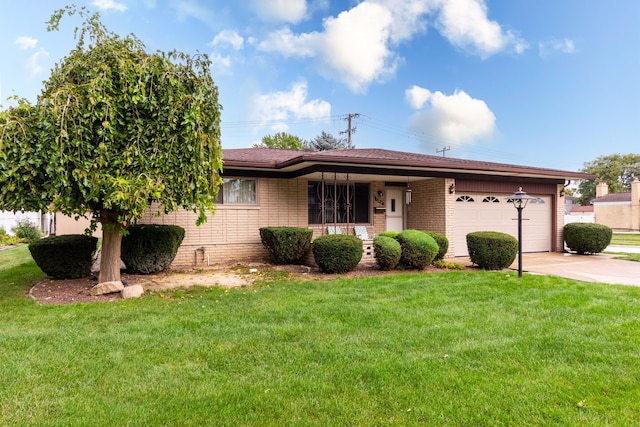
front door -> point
(395, 211)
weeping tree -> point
(114, 129)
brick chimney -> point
(602, 189)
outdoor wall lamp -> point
(407, 196)
(519, 200)
(452, 188)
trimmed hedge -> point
(392, 234)
(492, 250)
(443, 244)
(150, 248)
(387, 252)
(587, 238)
(337, 253)
(287, 245)
(64, 257)
(418, 248)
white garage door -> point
(492, 212)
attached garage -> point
(475, 211)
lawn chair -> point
(334, 230)
(361, 232)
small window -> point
(238, 191)
(537, 200)
(468, 199)
(490, 199)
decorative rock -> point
(107, 288)
(133, 291)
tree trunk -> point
(111, 244)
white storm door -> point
(395, 209)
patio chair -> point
(361, 232)
(334, 230)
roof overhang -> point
(392, 165)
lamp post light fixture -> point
(520, 200)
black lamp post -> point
(520, 200)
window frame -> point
(220, 199)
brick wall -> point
(433, 208)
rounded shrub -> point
(492, 250)
(64, 257)
(149, 248)
(418, 248)
(287, 245)
(443, 244)
(387, 252)
(392, 234)
(337, 253)
(587, 238)
(24, 229)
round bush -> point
(387, 252)
(64, 257)
(443, 244)
(392, 234)
(587, 238)
(491, 250)
(287, 245)
(337, 253)
(418, 248)
(24, 229)
(149, 248)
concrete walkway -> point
(601, 268)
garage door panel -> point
(472, 214)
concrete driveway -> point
(600, 268)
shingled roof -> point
(613, 197)
(293, 161)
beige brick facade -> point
(232, 234)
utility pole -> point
(444, 150)
(351, 129)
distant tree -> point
(326, 141)
(283, 140)
(114, 129)
(617, 170)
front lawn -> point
(626, 239)
(458, 348)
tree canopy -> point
(114, 129)
(326, 141)
(617, 170)
(283, 140)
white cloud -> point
(228, 38)
(26, 42)
(466, 25)
(291, 11)
(357, 47)
(279, 107)
(33, 66)
(456, 118)
(417, 96)
(566, 46)
(109, 5)
(352, 48)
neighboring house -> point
(375, 188)
(570, 202)
(40, 220)
(619, 211)
(580, 214)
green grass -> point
(451, 348)
(625, 239)
(627, 256)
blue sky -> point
(549, 83)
